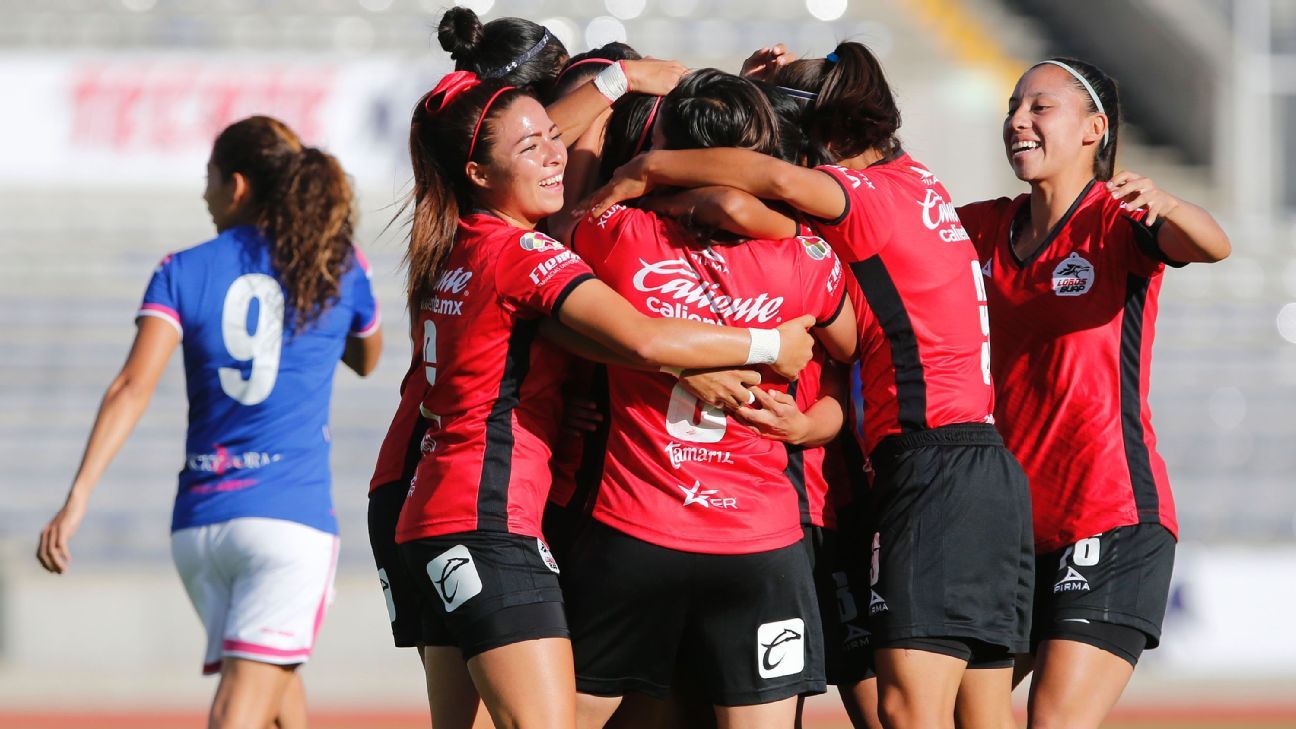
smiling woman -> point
(1072, 273)
(488, 169)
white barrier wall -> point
(147, 121)
(103, 637)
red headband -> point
(600, 61)
(452, 86)
(648, 125)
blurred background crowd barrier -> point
(109, 110)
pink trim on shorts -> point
(323, 603)
(210, 668)
(240, 646)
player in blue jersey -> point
(263, 312)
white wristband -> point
(612, 82)
(675, 372)
(764, 347)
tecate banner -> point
(149, 120)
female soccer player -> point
(517, 52)
(953, 549)
(488, 167)
(264, 311)
(695, 558)
(1072, 272)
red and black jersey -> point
(1072, 349)
(820, 469)
(923, 339)
(680, 474)
(494, 398)
(400, 450)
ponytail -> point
(854, 110)
(302, 205)
(309, 221)
(1107, 102)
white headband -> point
(1087, 86)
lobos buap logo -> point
(1074, 276)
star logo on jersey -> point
(780, 648)
(1072, 581)
(454, 575)
(707, 498)
(1074, 276)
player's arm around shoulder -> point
(1188, 234)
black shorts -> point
(954, 553)
(483, 590)
(560, 526)
(1119, 577)
(399, 585)
(848, 656)
(743, 628)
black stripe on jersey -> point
(497, 461)
(1145, 239)
(841, 303)
(884, 299)
(594, 452)
(795, 471)
(567, 290)
(1137, 457)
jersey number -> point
(259, 345)
(429, 351)
(691, 420)
(985, 320)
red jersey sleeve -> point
(822, 279)
(982, 221)
(536, 273)
(596, 238)
(856, 233)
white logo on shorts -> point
(386, 588)
(454, 575)
(780, 648)
(1072, 582)
(546, 556)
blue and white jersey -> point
(259, 389)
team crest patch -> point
(537, 241)
(816, 248)
(546, 556)
(1073, 276)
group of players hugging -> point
(717, 397)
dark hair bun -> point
(460, 33)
